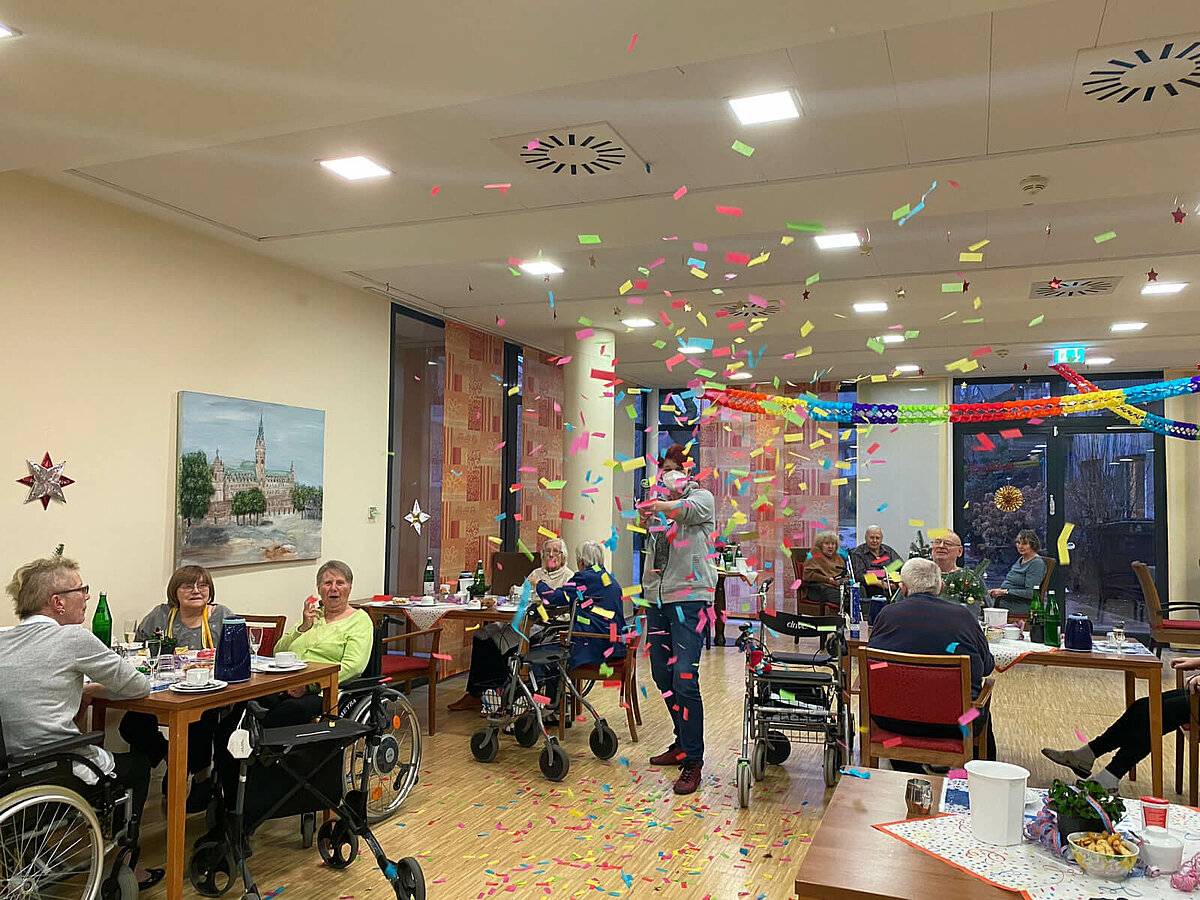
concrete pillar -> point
(588, 439)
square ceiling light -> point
(355, 168)
(892, 338)
(638, 323)
(1127, 326)
(843, 241)
(7, 31)
(1099, 360)
(871, 306)
(908, 368)
(1163, 287)
(740, 375)
(540, 267)
(773, 107)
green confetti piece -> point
(952, 287)
(912, 335)
(1036, 320)
(876, 345)
(514, 271)
(948, 315)
(805, 226)
(745, 149)
(706, 373)
(812, 279)
(1102, 238)
(631, 411)
(643, 270)
(589, 239)
(901, 212)
(972, 321)
(658, 345)
(555, 485)
(584, 320)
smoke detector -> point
(1001, 352)
(1034, 184)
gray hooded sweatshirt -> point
(690, 572)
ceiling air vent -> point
(594, 149)
(1073, 287)
(746, 310)
(1161, 69)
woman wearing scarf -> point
(192, 619)
(496, 640)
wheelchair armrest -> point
(63, 746)
(364, 684)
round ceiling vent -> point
(1075, 287)
(744, 310)
(573, 153)
(1143, 73)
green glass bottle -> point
(1051, 623)
(430, 585)
(102, 621)
(477, 587)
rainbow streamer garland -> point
(1089, 399)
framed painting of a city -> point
(249, 482)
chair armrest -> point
(985, 695)
(1169, 607)
(63, 746)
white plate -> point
(180, 688)
(1032, 797)
(281, 667)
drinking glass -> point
(130, 630)
(256, 637)
(1118, 635)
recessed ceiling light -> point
(761, 108)
(908, 367)
(7, 31)
(892, 338)
(691, 349)
(841, 241)
(355, 168)
(918, 390)
(871, 306)
(1163, 287)
(741, 375)
(1099, 360)
(1127, 326)
(636, 323)
(542, 267)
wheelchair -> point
(518, 706)
(56, 830)
(301, 769)
(793, 693)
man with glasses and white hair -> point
(946, 550)
(924, 623)
(43, 662)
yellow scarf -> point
(208, 641)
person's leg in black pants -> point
(1129, 736)
(140, 732)
(293, 710)
(133, 771)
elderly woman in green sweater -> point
(330, 631)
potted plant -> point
(966, 586)
(1073, 811)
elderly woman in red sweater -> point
(824, 569)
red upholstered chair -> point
(407, 664)
(272, 627)
(1165, 629)
(623, 670)
(933, 690)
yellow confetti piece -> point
(916, 523)
(494, 539)
(636, 463)
(806, 328)
(978, 245)
(970, 257)
(787, 240)
(546, 532)
(703, 321)
(699, 273)
(542, 613)
(626, 287)
(761, 258)
(878, 379)
(632, 591)
(793, 438)
(806, 351)
(1064, 552)
(838, 481)
(977, 302)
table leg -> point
(177, 774)
(1156, 732)
(719, 613)
(1130, 696)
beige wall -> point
(105, 315)
(1183, 502)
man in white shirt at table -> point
(43, 662)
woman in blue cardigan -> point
(600, 607)
(1024, 580)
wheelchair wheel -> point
(833, 756)
(554, 761)
(337, 844)
(526, 730)
(603, 741)
(409, 880)
(394, 761)
(308, 827)
(758, 760)
(123, 887)
(779, 748)
(743, 783)
(211, 868)
(51, 844)
(484, 744)
(586, 687)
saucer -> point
(180, 687)
(280, 667)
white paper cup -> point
(997, 792)
(197, 676)
(995, 616)
(1012, 632)
(286, 658)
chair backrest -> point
(510, 569)
(1050, 562)
(798, 555)
(273, 628)
(934, 690)
(1150, 592)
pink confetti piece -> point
(700, 246)
(541, 700)
(632, 41)
(729, 210)
(1011, 433)
(985, 442)
(499, 323)
(738, 259)
(584, 333)
(893, 742)
(877, 665)
(502, 188)
(957, 773)
(433, 192)
(562, 362)
(969, 716)
(1082, 737)
(680, 192)
(982, 351)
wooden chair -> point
(1193, 735)
(932, 690)
(510, 569)
(803, 606)
(1164, 629)
(408, 664)
(623, 670)
(1044, 590)
(273, 628)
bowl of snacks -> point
(1103, 855)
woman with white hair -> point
(824, 570)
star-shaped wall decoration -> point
(805, 295)
(45, 481)
(1152, 275)
(1179, 215)
(417, 518)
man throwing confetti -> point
(678, 584)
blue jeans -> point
(671, 630)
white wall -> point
(105, 315)
(1183, 501)
(913, 475)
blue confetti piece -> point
(847, 770)
(551, 293)
(881, 507)
(952, 646)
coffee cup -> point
(197, 675)
(286, 658)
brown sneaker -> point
(672, 756)
(689, 778)
(465, 703)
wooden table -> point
(178, 711)
(1148, 667)
(850, 860)
(456, 643)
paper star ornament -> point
(417, 518)
(45, 481)
(1179, 215)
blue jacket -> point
(595, 596)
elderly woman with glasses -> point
(191, 618)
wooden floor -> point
(615, 829)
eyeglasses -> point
(83, 588)
(196, 586)
(944, 543)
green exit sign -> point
(1076, 355)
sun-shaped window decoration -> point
(1144, 73)
(1009, 499)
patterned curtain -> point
(541, 437)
